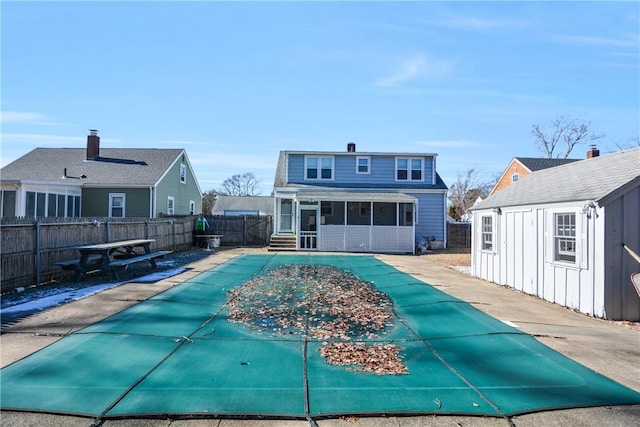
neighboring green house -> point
(108, 182)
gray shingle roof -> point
(536, 164)
(49, 164)
(590, 179)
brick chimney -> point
(593, 152)
(93, 144)
(351, 147)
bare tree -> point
(633, 143)
(563, 136)
(465, 191)
(208, 201)
(240, 185)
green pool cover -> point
(178, 354)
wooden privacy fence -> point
(30, 248)
(242, 230)
(459, 234)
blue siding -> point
(382, 167)
(431, 211)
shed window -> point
(565, 237)
(487, 233)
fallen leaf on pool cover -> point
(325, 303)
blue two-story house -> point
(359, 202)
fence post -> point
(173, 233)
(107, 231)
(146, 229)
(37, 254)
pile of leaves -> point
(323, 303)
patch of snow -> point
(58, 296)
(462, 269)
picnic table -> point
(112, 256)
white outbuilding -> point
(560, 234)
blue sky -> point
(236, 82)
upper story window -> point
(487, 233)
(564, 237)
(318, 167)
(183, 173)
(363, 165)
(117, 203)
(409, 169)
(515, 177)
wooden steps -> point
(282, 243)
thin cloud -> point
(474, 23)
(25, 117)
(415, 67)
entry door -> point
(308, 228)
(286, 216)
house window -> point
(73, 206)
(117, 203)
(515, 177)
(487, 233)
(36, 204)
(409, 169)
(565, 237)
(192, 207)
(171, 202)
(8, 208)
(183, 173)
(362, 165)
(318, 168)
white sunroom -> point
(337, 221)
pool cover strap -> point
(179, 353)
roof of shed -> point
(115, 166)
(589, 179)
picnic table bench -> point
(112, 256)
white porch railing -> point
(308, 240)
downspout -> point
(152, 204)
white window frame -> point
(487, 237)
(183, 173)
(113, 196)
(565, 237)
(368, 165)
(171, 205)
(318, 168)
(515, 177)
(409, 169)
(192, 207)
